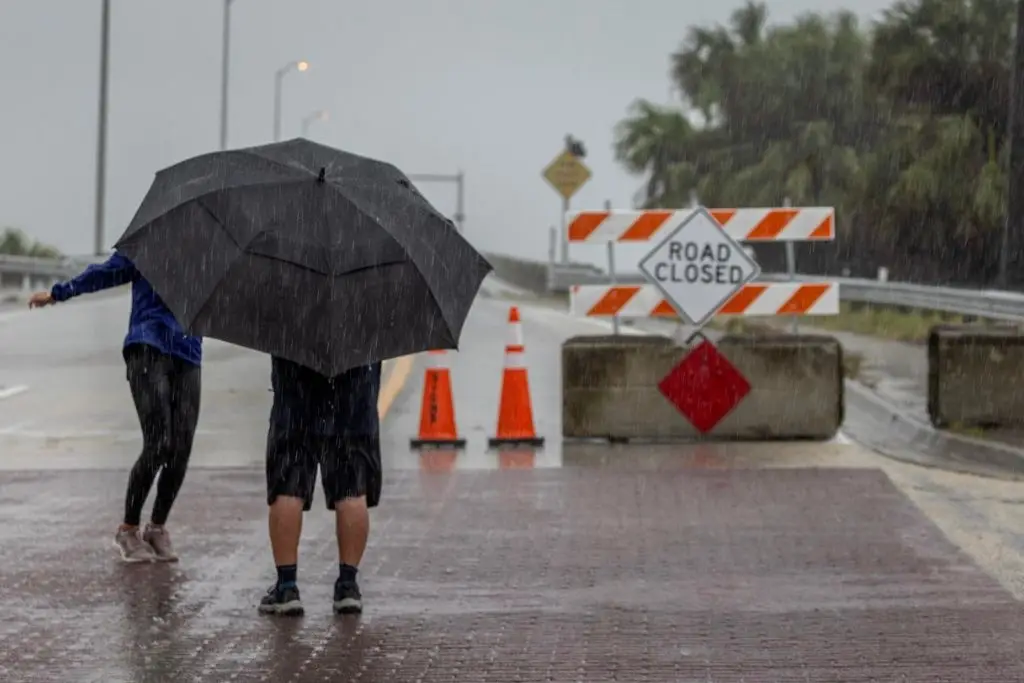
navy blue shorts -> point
(325, 424)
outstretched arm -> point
(114, 272)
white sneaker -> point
(132, 548)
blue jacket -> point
(151, 322)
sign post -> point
(567, 174)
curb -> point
(882, 427)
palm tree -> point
(947, 57)
(653, 141)
(903, 130)
(707, 63)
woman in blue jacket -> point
(163, 369)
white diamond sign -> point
(698, 267)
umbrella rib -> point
(358, 205)
(202, 205)
(203, 195)
(276, 162)
(413, 255)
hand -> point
(40, 299)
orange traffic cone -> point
(515, 414)
(437, 412)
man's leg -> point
(285, 525)
(351, 474)
(150, 387)
(346, 484)
(352, 529)
(186, 390)
(291, 475)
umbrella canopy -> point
(322, 257)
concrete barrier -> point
(610, 388)
(975, 376)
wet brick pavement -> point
(573, 574)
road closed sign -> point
(699, 267)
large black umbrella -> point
(322, 257)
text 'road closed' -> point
(703, 263)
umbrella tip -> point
(323, 173)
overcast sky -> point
(487, 86)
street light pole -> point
(278, 78)
(101, 137)
(460, 192)
(225, 53)
(319, 115)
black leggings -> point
(166, 393)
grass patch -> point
(888, 323)
(958, 428)
(873, 321)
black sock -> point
(346, 573)
(286, 575)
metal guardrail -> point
(980, 303)
(28, 265)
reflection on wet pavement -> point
(558, 574)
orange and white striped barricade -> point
(788, 224)
(784, 224)
(754, 299)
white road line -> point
(11, 392)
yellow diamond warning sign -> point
(567, 174)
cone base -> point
(437, 443)
(495, 442)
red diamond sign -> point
(704, 387)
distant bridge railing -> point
(979, 303)
(26, 273)
(30, 265)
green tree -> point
(14, 242)
(900, 128)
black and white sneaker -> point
(282, 601)
(347, 599)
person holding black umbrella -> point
(331, 424)
(331, 263)
(164, 375)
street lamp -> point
(318, 115)
(101, 137)
(278, 77)
(224, 47)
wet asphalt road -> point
(727, 562)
